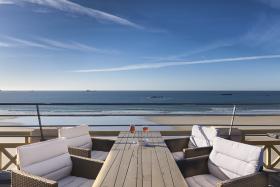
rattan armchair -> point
(211, 171)
(183, 148)
(81, 144)
(53, 168)
(100, 149)
(199, 143)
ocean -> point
(195, 102)
(195, 97)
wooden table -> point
(131, 163)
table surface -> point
(131, 163)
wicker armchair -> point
(199, 143)
(183, 148)
(230, 164)
(48, 164)
(81, 144)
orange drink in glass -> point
(145, 129)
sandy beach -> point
(263, 121)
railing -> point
(38, 113)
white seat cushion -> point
(77, 136)
(203, 136)
(99, 155)
(49, 159)
(72, 181)
(178, 155)
(205, 180)
(230, 159)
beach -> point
(263, 121)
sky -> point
(139, 45)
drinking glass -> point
(132, 129)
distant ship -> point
(226, 94)
(155, 97)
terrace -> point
(254, 128)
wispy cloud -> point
(50, 44)
(7, 2)
(264, 34)
(17, 42)
(271, 3)
(74, 8)
(206, 48)
(183, 63)
(4, 44)
(73, 46)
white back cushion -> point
(76, 136)
(203, 136)
(230, 159)
(49, 159)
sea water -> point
(195, 102)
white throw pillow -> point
(76, 136)
(203, 136)
(49, 159)
(230, 159)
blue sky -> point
(139, 45)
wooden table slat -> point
(157, 179)
(110, 160)
(131, 175)
(132, 163)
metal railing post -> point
(232, 120)
(40, 123)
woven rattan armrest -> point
(85, 167)
(199, 151)
(100, 144)
(80, 152)
(259, 179)
(193, 166)
(23, 179)
(274, 178)
(177, 144)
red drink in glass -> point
(132, 129)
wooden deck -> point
(131, 163)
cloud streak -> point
(73, 46)
(74, 8)
(4, 44)
(17, 42)
(6, 2)
(49, 44)
(183, 63)
(206, 48)
(271, 3)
